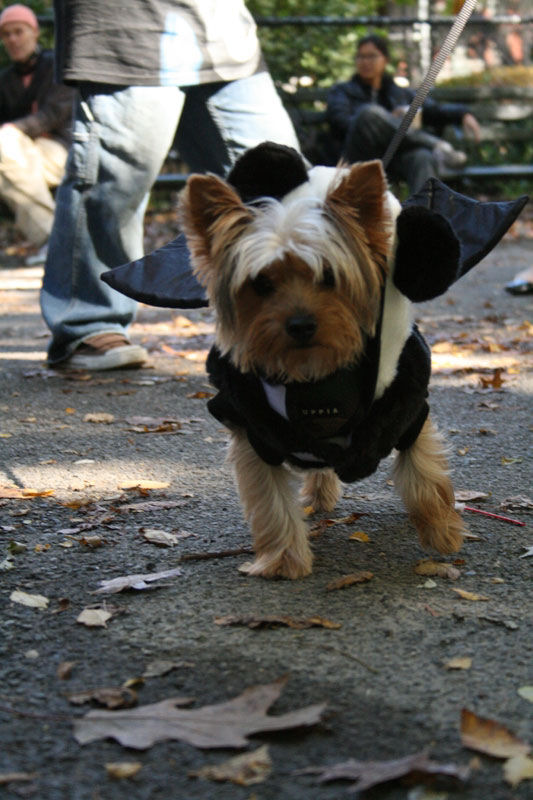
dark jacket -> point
(43, 108)
(345, 101)
(334, 422)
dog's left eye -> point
(328, 278)
(262, 285)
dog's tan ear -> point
(362, 189)
(212, 216)
(359, 200)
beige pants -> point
(28, 169)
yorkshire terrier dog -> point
(319, 368)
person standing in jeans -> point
(161, 68)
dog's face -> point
(296, 284)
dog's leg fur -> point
(321, 490)
(421, 478)
(276, 519)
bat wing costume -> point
(353, 418)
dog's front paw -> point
(288, 565)
(321, 490)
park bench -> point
(505, 115)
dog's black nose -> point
(301, 327)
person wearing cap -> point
(35, 121)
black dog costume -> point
(338, 421)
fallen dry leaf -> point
(122, 769)
(153, 505)
(490, 737)
(459, 662)
(275, 620)
(94, 617)
(526, 692)
(14, 493)
(368, 774)
(111, 697)
(99, 417)
(322, 524)
(144, 484)
(360, 536)
(517, 503)
(16, 777)
(470, 595)
(348, 580)
(517, 769)
(427, 566)
(160, 538)
(244, 770)
(226, 724)
(162, 666)
(31, 600)
(138, 582)
(495, 381)
(468, 495)
(64, 670)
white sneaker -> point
(102, 351)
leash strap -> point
(430, 78)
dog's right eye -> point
(262, 285)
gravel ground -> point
(382, 672)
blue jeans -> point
(121, 137)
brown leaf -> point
(143, 484)
(13, 492)
(16, 777)
(360, 536)
(138, 582)
(159, 538)
(427, 566)
(490, 737)
(99, 417)
(469, 495)
(368, 774)
(516, 503)
(470, 595)
(244, 770)
(517, 769)
(31, 600)
(459, 662)
(322, 524)
(94, 617)
(111, 697)
(495, 381)
(348, 580)
(275, 620)
(64, 670)
(122, 769)
(227, 724)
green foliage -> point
(321, 54)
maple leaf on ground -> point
(368, 774)
(227, 724)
